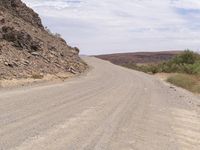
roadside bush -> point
(196, 68)
(188, 62)
(153, 69)
(188, 57)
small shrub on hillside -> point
(57, 35)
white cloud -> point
(115, 26)
(186, 4)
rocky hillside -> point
(27, 49)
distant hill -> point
(139, 57)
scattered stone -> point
(58, 65)
(1, 13)
(1, 35)
(6, 63)
(72, 70)
(76, 49)
(9, 64)
(51, 48)
(2, 21)
(54, 53)
(25, 62)
(171, 87)
(14, 64)
(35, 53)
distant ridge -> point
(139, 57)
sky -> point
(113, 26)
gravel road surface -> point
(109, 108)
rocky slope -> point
(27, 49)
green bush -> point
(188, 57)
(188, 62)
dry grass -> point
(188, 82)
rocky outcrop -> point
(26, 48)
(20, 39)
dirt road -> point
(110, 108)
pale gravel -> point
(109, 108)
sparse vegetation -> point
(57, 35)
(188, 62)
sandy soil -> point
(31, 81)
(110, 108)
(163, 76)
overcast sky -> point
(108, 26)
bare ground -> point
(110, 108)
(49, 78)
